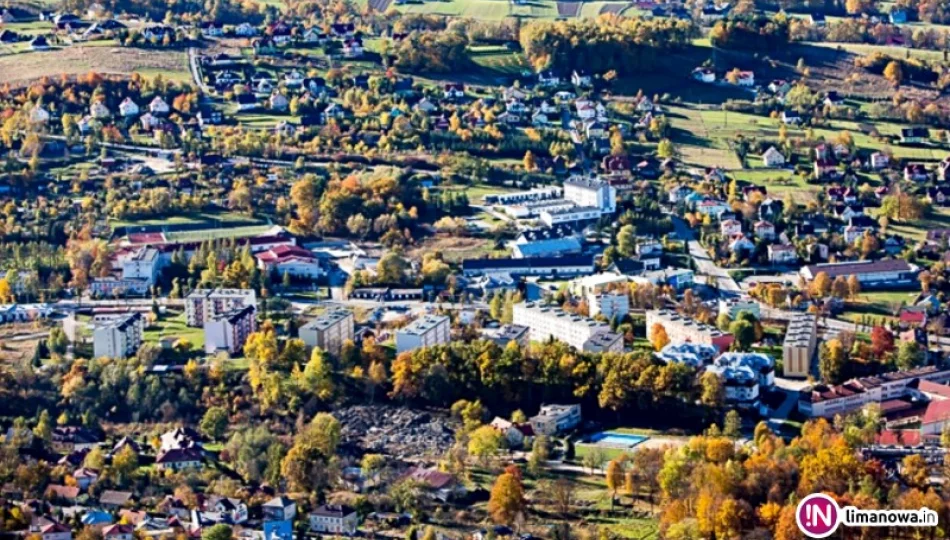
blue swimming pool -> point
(613, 438)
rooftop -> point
(328, 319)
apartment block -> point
(591, 192)
(610, 305)
(829, 400)
(143, 263)
(205, 305)
(118, 337)
(801, 338)
(229, 331)
(547, 322)
(553, 419)
(329, 331)
(733, 306)
(682, 329)
(426, 331)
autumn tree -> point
(659, 338)
(507, 500)
(214, 423)
(831, 361)
(615, 475)
(894, 73)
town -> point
(471, 270)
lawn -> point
(175, 327)
(893, 51)
(214, 234)
(939, 218)
(876, 305)
(209, 219)
(79, 59)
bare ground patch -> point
(454, 248)
(79, 59)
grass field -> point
(916, 230)
(177, 328)
(203, 218)
(213, 234)
(876, 305)
(893, 51)
(78, 59)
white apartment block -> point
(591, 192)
(609, 304)
(204, 305)
(682, 329)
(553, 419)
(801, 338)
(143, 263)
(118, 337)
(569, 215)
(329, 331)
(229, 331)
(426, 331)
(733, 306)
(547, 322)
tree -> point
(914, 471)
(507, 500)
(317, 377)
(214, 423)
(732, 427)
(821, 285)
(391, 268)
(626, 240)
(894, 73)
(882, 341)
(909, 355)
(484, 442)
(744, 333)
(854, 286)
(713, 392)
(6, 292)
(529, 162)
(831, 361)
(217, 532)
(44, 427)
(614, 475)
(665, 149)
(659, 338)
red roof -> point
(907, 437)
(913, 316)
(117, 529)
(937, 411)
(933, 388)
(433, 478)
(285, 252)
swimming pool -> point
(613, 438)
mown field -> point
(79, 59)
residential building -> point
(570, 214)
(744, 376)
(552, 247)
(554, 419)
(591, 192)
(782, 254)
(426, 331)
(604, 342)
(143, 263)
(511, 333)
(772, 158)
(801, 337)
(118, 531)
(914, 135)
(119, 337)
(547, 322)
(730, 227)
(228, 331)
(178, 459)
(334, 519)
(55, 531)
(692, 354)
(733, 306)
(204, 305)
(329, 331)
(869, 273)
(279, 509)
(112, 286)
(514, 434)
(610, 305)
(827, 401)
(764, 230)
(596, 283)
(682, 329)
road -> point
(704, 264)
(196, 71)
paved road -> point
(196, 71)
(704, 264)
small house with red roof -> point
(293, 260)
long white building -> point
(609, 304)
(118, 337)
(547, 322)
(426, 331)
(682, 329)
(828, 401)
(591, 192)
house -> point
(554, 419)
(817, 19)
(178, 459)
(292, 260)
(72, 438)
(278, 102)
(645, 105)
(779, 87)
(939, 195)
(55, 531)
(210, 116)
(279, 509)
(581, 78)
(115, 499)
(211, 29)
(99, 110)
(39, 43)
(453, 91)
(772, 158)
(746, 78)
(916, 172)
(128, 108)
(914, 135)
(791, 118)
(878, 161)
(85, 477)
(764, 230)
(335, 519)
(440, 485)
(245, 30)
(740, 244)
(730, 227)
(548, 78)
(514, 434)
(712, 208)
(704, 75)
(57, 492)
(118, 531)
(353, 48)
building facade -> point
(798, 349)
(119, 337)
(553, 419)
(426, 331)
(229, 331)
(552, 322)
(329, 331)
(204, 305)
(682, 329)
(610, 305)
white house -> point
(782, 254)
(99, 110)
(128, 108)
(158, 107)
(553, 419)
(879, 160)
(704, 75)
(772, 158)
(335, 519)
(730, 227)
(764, 230)
(746, 78)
